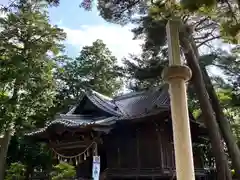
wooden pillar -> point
(138, 153)
(160, 146)
(176, 75)
(119, 157)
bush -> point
(63, 171)
(16, 171)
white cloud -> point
(117, 38)
(3, 14)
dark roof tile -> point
(130, 106)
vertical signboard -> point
(96, 168)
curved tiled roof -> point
(103, 103)
(69, 122)
(129, 106)
(143, 103)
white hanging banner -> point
(96, 168)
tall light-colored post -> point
(176, 75)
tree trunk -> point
(207, 111)
(220, 118)
(3, 152)
(224, 125)
(8, 133)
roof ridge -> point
(102, 95)
(128, 95)
(134, 93)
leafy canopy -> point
(95, 68)
(27, 84)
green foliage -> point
(121, 11)
(94, 68)
(155, 31)
(28, 152)
(26, 68)
(63, 171)
(145, 71)
(195, 5)
(230, 32)
(224, 13)
(27, 82)
(15, 171)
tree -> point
(145, 71)
(27, 85)
(95, 68)
(203, 93)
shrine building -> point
(131, 135)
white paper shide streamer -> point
(79, 158)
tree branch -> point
(208, 40)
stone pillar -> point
(176, 75)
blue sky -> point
(83, 27)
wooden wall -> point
(141, 145)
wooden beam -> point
(77, 146)
(69, 145)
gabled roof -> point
(142, 103)
(129, 106)
(106, 104)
